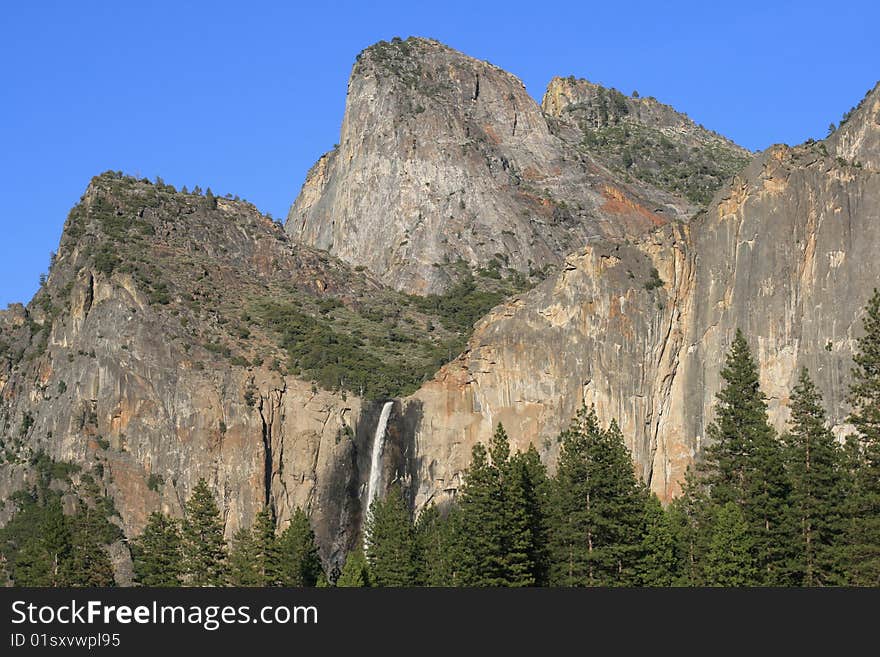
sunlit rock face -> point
(785, 252)
(151, 386)
(444, 157)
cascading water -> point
(376, 459)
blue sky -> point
(243, 97)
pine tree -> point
(267, 553)
(691, 516)
(204, 548)
(55, 542)
(863, 533)
(597, 519)
(390, 541)
(659, 561)
(356, 571)
(572, 518)
(156, 552)
(243, 568)
(515, 487)
(436, 547)
(299, 563)
(814, 462)
(494, 536)
(32, 567)
(530, 476)
(88, 564)
(729, 560)
(37, 539)
(480, 535)
(744, 464)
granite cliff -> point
(155, 355)
(443, 158)
(783, 252)
(181, 336)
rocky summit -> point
(463, 257)
(443, 158)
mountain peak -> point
(445, 158)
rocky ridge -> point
(642, 139)
(181, 336)
(443, 158)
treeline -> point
(193, 551)
(801, 509)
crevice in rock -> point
(266, 433)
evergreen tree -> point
(814, 463)
(729, 560)
(32, 567)
(299, 563)
(572, 528)
(204, 548)
(41, 546)
(37, 540)
(691, 516)
(744, 464)
(243, 569)
(436, 547)
(659, 562)
(515, 486)
(597, 520)
(267, 552)
(356, 571)
(863, 533)
(88, 564)
(156, 552)
(390, 541)
(530, 476)
(494, 536)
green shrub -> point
(106, 259)
(654, 281)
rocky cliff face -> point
(140, 362)
(181, 336)
(443, 157)
(784, 252)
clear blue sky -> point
(244, 96)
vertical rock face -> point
(138, 361)
(786, 255)
(181, 336)
(443, 157)
(595, 333)
(785, 252)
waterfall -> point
(376, 458)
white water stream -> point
(375, 481)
